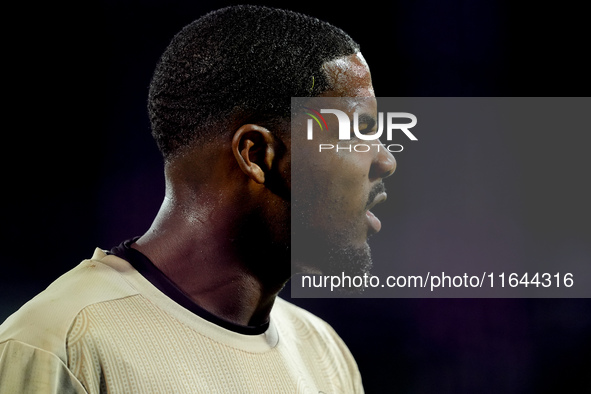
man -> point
(192, 306)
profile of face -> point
(333, 190)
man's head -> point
(239, 65)
(220, 107)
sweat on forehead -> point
(349, 76)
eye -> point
(366, 124)
(365, 128)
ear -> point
(253, 148)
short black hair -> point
(239, 64)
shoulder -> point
(311, 336)
(295, 321)
(286, 310)
(301, 319)
(45, 320)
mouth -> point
(374, 223)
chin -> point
(330, 250)
(352, 261)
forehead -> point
(349, 76)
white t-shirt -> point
(102, 327)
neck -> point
(207, 250)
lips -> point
(379, 198)
(374, 223)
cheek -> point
(350, 181)
(336, 187)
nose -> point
(383, 165)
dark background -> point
(81, 170)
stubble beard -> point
(331, 255)
(347, 259)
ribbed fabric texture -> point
(103, 328)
